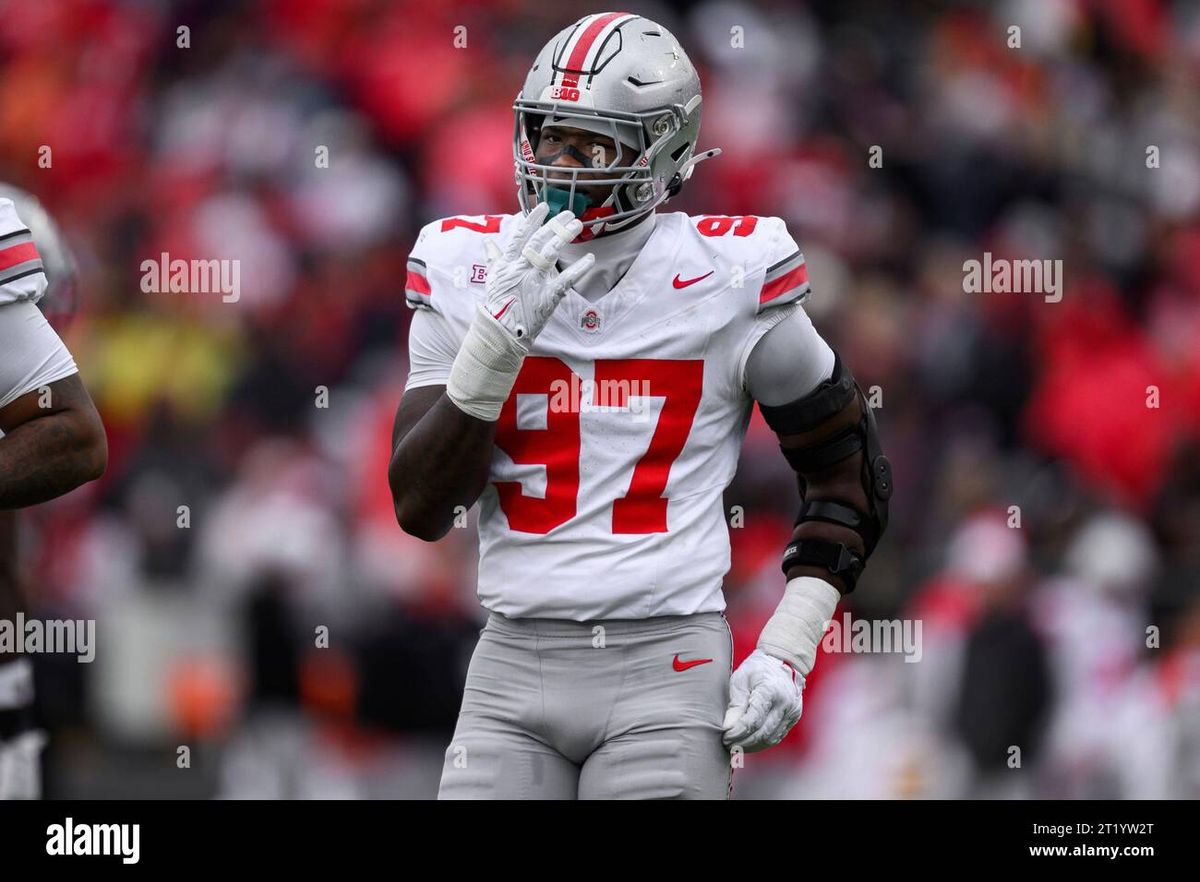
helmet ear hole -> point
(677, 179)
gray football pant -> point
(555, 709)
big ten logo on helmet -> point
(582, 395)
(564, 93)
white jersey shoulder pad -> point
(448, 261)
(758, 250)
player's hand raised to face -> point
(523, 285)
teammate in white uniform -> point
(51, 440)
(588, 378)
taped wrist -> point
(485, 368)
(794, 630)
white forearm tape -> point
(485, 368)
(795, 628)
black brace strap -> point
(829, 452)
(809, 412)
(835, 557)
(832, 512)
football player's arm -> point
(787, 365)
(826, 430)
(440, 460)
(441, 454)
(53, 438)
(445, 428)
(812, 403)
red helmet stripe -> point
(583, 45)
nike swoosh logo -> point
(682, 283)
(691, 663)
(504, 308)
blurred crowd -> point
(256, 602)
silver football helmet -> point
(61, 299)
(623, 76)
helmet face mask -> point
(632, 190)
(626, 78)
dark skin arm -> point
(842, 481)
(50, 450)
(440, 460)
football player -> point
(586, 370)
(51, 438)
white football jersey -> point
(625, 423)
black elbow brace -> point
(809, 413)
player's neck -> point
(639, 229)
(618, 246)
(615, 254)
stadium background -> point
(1032, 636)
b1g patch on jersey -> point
(590, 321)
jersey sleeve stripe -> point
(34, 268)
(7, 279)
(417, 284)
(12, 256)
(15, 236)
(783, 267)
(793, 283)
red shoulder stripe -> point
(794, 279)
(18, 254)
(416, 282)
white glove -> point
(523, 289)
(523, 285)
(765, 692)
(764, 702)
